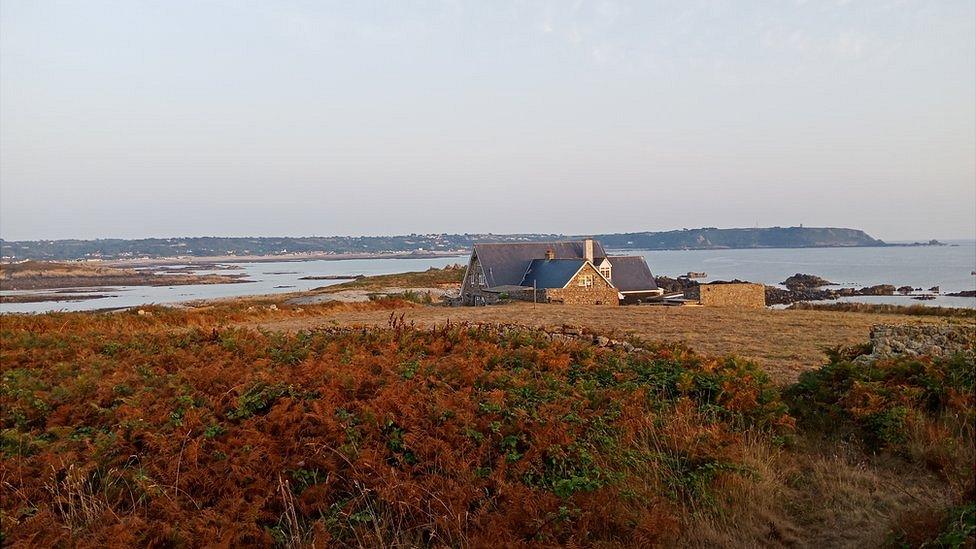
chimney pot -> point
(550, 255)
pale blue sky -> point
(132, 119)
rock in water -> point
(802, 281)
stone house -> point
(571, 272)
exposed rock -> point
(879, 289)
(802, 281)
(905, 290)
(964, 293)
(920, 340)
(779, 296)
(672, 285)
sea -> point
(950, 267)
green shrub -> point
(880, 401)
(257, 399)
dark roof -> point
(551, 273)
(506, 262)
(630, 273)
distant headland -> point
(413, 245)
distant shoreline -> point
(227, 249)
(329, 256)
(219, 259)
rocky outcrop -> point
(920, 340)
(674, 285)
(964, 293)
(778, 296)
(802, 281)
(800, 287)
(879, 289)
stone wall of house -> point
(470, 287)
(729, 295)
(922, 339)
(600, 293)
(583, 296)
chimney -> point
(550, 255)
(588, 250)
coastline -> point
(219, 259)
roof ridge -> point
(533, 242)
(559, 259)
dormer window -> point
(604, 268)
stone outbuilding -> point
(728, 294)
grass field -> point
(431, 278)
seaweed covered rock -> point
(805, 281)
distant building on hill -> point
(572, 272)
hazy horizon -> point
(146, 119)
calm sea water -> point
(268, 278)
(948, 267)
(920, 267)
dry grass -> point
(784, 342)
(818, 494)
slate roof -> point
(551, 273)
(506, 262)
(630, 273)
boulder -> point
(800, 281)
(879, 289)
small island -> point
(43, 275)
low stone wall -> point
(567, 332)
(917, 340)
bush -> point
(922, 408)
(460, 435)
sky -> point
(136, 119)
